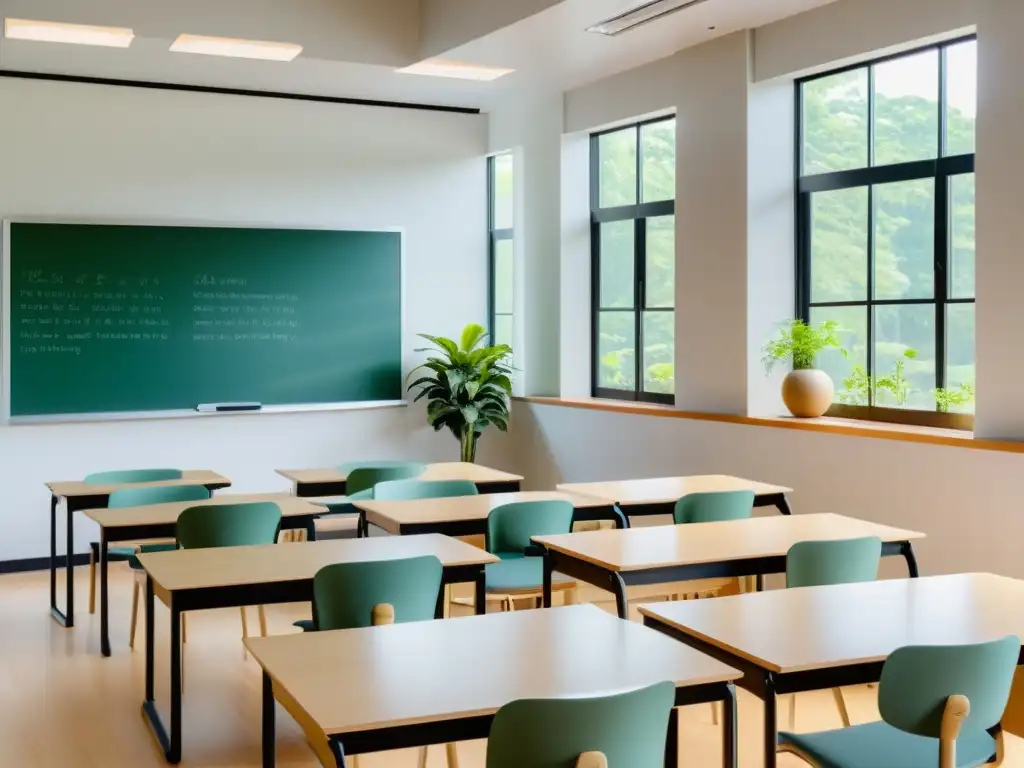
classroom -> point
(490, 384)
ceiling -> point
(352, 47)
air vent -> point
(641, 15)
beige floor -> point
(62, 704)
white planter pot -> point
(808, 394)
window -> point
(885, 218)
(633, 238)
(500, 248)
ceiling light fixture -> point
(455, 69)
(236, 48)
(641, 15)
(76, 34)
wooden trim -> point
(826, 425)
(961, 422)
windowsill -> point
(826, 425)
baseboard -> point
(38, 563)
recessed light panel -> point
(455, 69)
(76, 34)
(640, 15)
(236, 48)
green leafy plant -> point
(801, 343)
(896, 383)
(947, 398)
(857, 387)
(470, 386)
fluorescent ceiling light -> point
(235, 48)
(458, 70)
(78, 34)
(641, 15)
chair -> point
(355, 595)
(822, 563)
(140, 497)
(940, 706)
(230, 525)
(362, 477)
(407, 490)
(510, 528)
(626, 729)
(119, 476)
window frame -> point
(639, 213)
(942, 170)
(495, 236)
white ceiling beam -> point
(448, 24)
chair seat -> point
(133, 561)
(337, 524)
(879, 744)
(520, 574)
(306, 625)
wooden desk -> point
(409, 685)
(78, 496)
(613, 559)
(199, 579)
(463, 515)
(792, 640)
(159, 521)
(658, 496)
(331, 482)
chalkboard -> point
(108, 319)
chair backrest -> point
(365, 476)
(714, 507)
(845, 561)
(228, 525)
(917, 680)
(156, 494)
(345, 594)
(628, 728)
(510, 526)
(406, 490)
(133, 476)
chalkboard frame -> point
(5, 322)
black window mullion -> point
(869, 319)
(640, 240)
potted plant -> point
(469, 387)
(807, 391)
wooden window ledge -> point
(827, 425)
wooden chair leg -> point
(263, 620)
(792, 711)
(184, 629)
(452, 755)
(840, 705)
(183, 653)
(92, 581)
(354, 761)
(421, 762)
(135, 613)
(714, 713)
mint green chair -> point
(408, 490)
(510, 529)
(714, 507)
(119, 554)
(140, 497)
(940, 706)
(362, 477)
(626, 730)
(230, 525)
(824, 563)
(376, 593)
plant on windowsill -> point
(806, 391)
(955, 400)
(469, 389)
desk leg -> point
(672, 739)
(480, 597)
(730, 748)
(269, 735)
(907, 550)
(782, 504)
(174, 750)
(149, 705)
(618, 588)
(771, 728)
(548, 569)
(621, 519)
(104, 601)
(59, 616)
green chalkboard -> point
(138, 318)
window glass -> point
(503, 192)
(839, 245)
(961, 97)
(905, 240)
(617, 350)
(618, 168)
(907, 108)
(835, 117)
(961, 236)
(661, 262)
(659, 161)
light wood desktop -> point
(794, 640)
(154, 521)
(331, 481)
(658, 495)
(231, 577)
(459, 516)
(612, 559)
(78, 495)
(443, 681)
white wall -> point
(91, 152)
